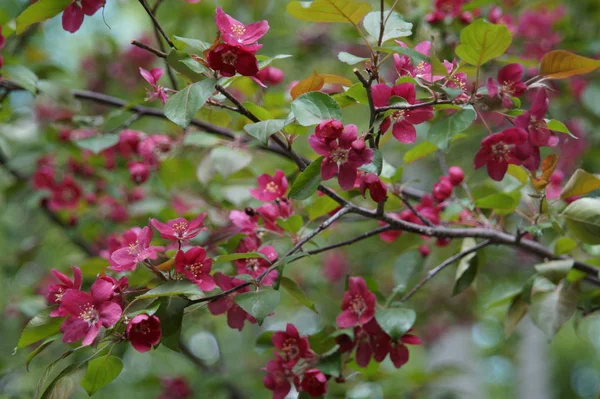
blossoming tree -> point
(212, 196)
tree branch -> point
(411, 106)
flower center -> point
(253, 264)
(229, 58)
(142, 328)
(89, 314)
(238, 30)
(180, 227)
(340, 155)
(272, 187)
(196, 269)
(358, 304)
(58, 295)
(398, 115)
(420, 68)
(134, 248)
(507, 88)
(500, 151)
(290, 346)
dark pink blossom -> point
(139, 171)
(291, 344)
(442, 190)
(398, 350)
(423, 70)
(278, 379)
(533, 122)
(314, 382)
(358, 306)
(403, 119)
(175, 388)
(158, 92)
(456, 175)
(343, 154)
(335, 266)
(88, 313)
(73, 15)
(499, 150)
(269, 76)
(65, 195)
(270, 187)
(245, 222)
(235, 33)
(236, 316)
(508, 84)
(144, 332)
(152, 147)
(229, 60)
(180, 229)
(196, 267)
(136, 248)
(55, 292)
(256, 266)
(377, 189)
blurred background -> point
(466, 352)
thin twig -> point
(402, 106)
(415, 211)
(360, 237)
(144, 46)
(156, 23)
(433, 272)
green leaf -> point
(38, 12)
(396, 321)
(182, 107)
(395, 26)
(467, 268)
(499, 201)
(294, 290)
(259, 303)
(40, 348)
(419, 151)
(331, 365)
(262, 63)
(307, 182)
(201, 140)
(516, 311)
(170, 313)
(564, 245)
(63, 385)
(196, 45)
(315, 107)
(358, 92)
(237, 256)
(98, 143)
(321, 206)
(351, 11)
(292, 224)
(580, 183)
(182, 63)
(558, 126)
(550, 310)
(555, 270)
(445, 128)
(265, 129)
(173, 288)
(482, 41)
(101, 372)
(22, 76)
(40, 327)
(583, 219)
(591, 98)
(227, 161)
(350, 59)
(376, 164)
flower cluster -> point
(295, 365)
(368, 338)
(236, 45)
(158, 92)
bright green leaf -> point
(321, 206)
(173, 288)
(294, 290)
(442, 130)
(500, 201)
(564, 245)
(580, 183)
(265, 129)
(351, 11)
(38, 12)
(182, 107)
(307, 182)
(419, 151)
(583, 219)
(262, 63)
(558, 126)
(396, 321)
(482, 41)
(350, 59)
(40, 327)
(554, 270)
(259, 303)
(237, 256)
(315, 107)
(101, 372)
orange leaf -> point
(548, 167)
(561, 64)
(335, 80)
(313, 83)
(167, 265)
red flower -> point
(343, 151)
(88, 313)
(73, 15)
(404, 119)
(56, 291)
(243, 221)
(399, 351)
(180, 229)
(136, 248)
(269, 76)
(456, 175)
(314, 383)
(291, 344)
(377, 190)
(405, 66)
(196, 267)
(229, 59)
(256, 266)
(236, 316)
(175, 388)
(158, 92)
(533, 122)
(139, 171)
(270, 188)
(499, 150)
(65, 195)
(144, 332)
(442, 190)
(278, 379)
(152, 147)
(235, 33)
(358, 306)
(509, 84)
(43, 177)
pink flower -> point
(158, 92)
(533, 122)
(554, 188)
(196, 267)
(509, 84)
(405, 66)
(245, 222)
(65, 195)
(229, 59)
(175, 388)
(343, 151)
(56, 291)
(270, 188)
(278, 378)
(442, 190)
(180, 229)
(377, 189)
(235, 33)
(358, 306)
(144, 332)
(73, 15)
(399, 351)
(88, 313)
(256, 266)
(139, 171)
(334, 266)
(450, 9)
(499, 150)
(236, 316)
(151, 148)
(43, 178)
(269, 76)
(136, 248)
(291, 344)
(404, 120)
(456, 175)
(314, 382)
(129, 141)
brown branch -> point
(411, 106)
(156, 23)
(144, 46)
